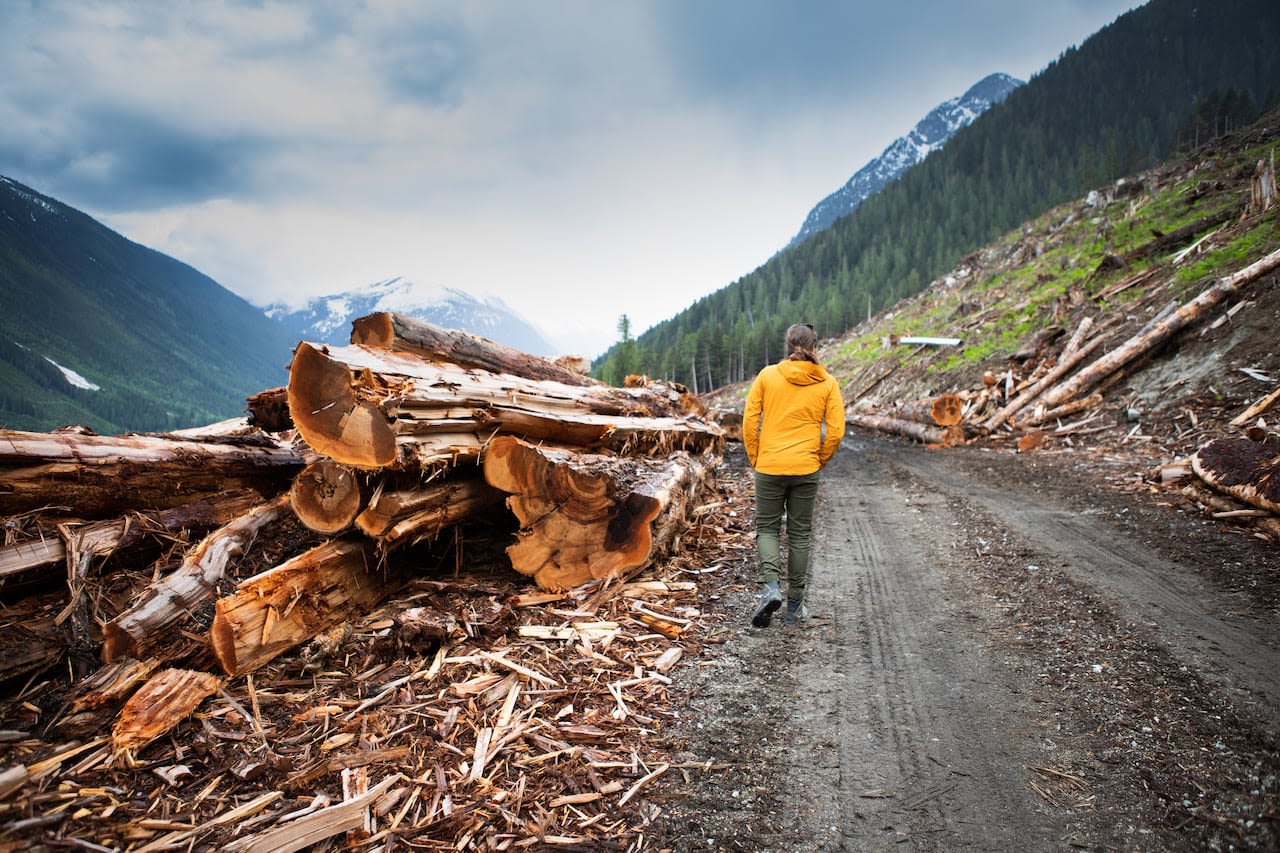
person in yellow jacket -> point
(791, 427)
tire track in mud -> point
(924, 762)
(1194, 621)
(959, 653)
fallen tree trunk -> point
(283, 607)
(1042, 416)
(85, 473)
(586, 516)
(403, 517)
(140, 630)
(1062, 368)
(1160, 331)
(434, 343)
(944, 410)
(1246, 470)
(940, 436)
(1165, 242)
(373, 408)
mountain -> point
(1161, 79)
(930, 134)
(100, 331)
(327, 319)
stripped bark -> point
(406, 516)
(97, 698)
(168, 697)
(103, 537)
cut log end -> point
(587, 516)
(329, 416)
(116, 643)
(374, 330)
(947, 410)
(326, 496)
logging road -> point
(1002, 655)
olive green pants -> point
(794, 495)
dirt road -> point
(1002, 655)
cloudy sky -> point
(579, 160)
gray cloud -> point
(579, 159)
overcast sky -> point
(579, 160)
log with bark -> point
(1160, 331)
(434, 343)
(944, 410)
(588, 516)
(1163, 243)
(1042, 415)
(932, 435)
(372, 408)
(83, 474)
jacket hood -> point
(801, 372)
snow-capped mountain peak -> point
(327, 319)
(930, 134)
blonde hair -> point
(802, 343)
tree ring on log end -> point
(326, 496)
(329, 416)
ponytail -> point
(802, 343)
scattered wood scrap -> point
(340, 648)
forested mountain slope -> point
(1160, 79)
(101, 331)
(1122, 260)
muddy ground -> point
(1006, 652)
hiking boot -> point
(770, 600)
(796, 613)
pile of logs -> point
(375, 457)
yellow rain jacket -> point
(783, 422)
